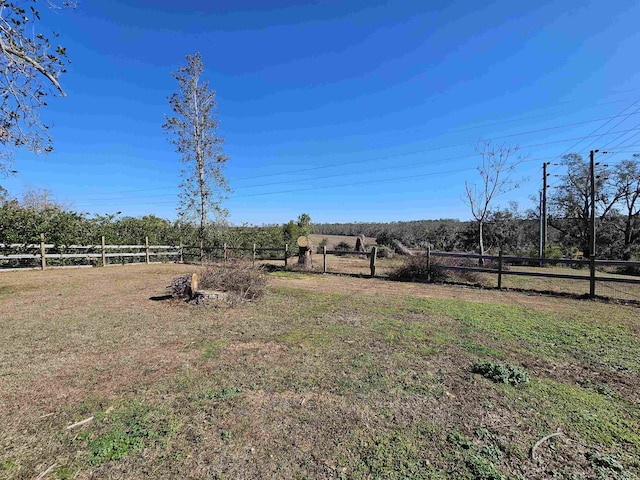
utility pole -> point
(544, 224)
(592, 226)
(541, 242)
(592, 217)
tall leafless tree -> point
(30, 67)
(496, 168)
(193, 129)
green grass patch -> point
(482, 469)
(7, 465)
(417, 336)
(395, 456)
(286, 274)
(482, 350)
(502, 372)
(125, 430)
(212, 348)
(596, 418)
(223, 394)
(585, 338)
(64, 472)
(316, 336)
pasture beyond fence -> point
(505, 265)
(592, 271)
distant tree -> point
(304, 224)
(39, 199)
(4, 195)
(29, 71)
(194, 131)
(570, 201)
(626, 178)
(495, 172)
(290, 233)
(510, 231)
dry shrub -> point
(442, 274)
(239, 279)
(414, 269)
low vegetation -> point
(418, 269)
(325, 377)
(501, 372)
(240, 280)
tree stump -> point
(193, 286)
(304, 252)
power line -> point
(367, 182)
(601, 126)
(617, 138)
(94, 195)
(433, 149)
(120, 200)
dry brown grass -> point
(333, 240)
(326, 376)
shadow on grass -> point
(160, 298)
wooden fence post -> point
(500, 269)
(146, 249)
(592, 276)
(286, 254)
(372, 263)
(254, 254)
(104, 253)
(181, 252)
(324, 259)
(43, 258)
(224, 251)
(429, 262)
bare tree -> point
(29, 70)
(495, 176)
(194, 131)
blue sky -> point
(346, 110)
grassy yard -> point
(326, 377)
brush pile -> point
(232, 283)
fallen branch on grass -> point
(46, 472)
(540, 442)
(80, 423)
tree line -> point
(23, 221)
(517, 231)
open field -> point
(326, 377)
(613, 290)
(333, 240)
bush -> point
(501, 372)
(323, 243)
(414, 269)
(240, 280)
(384, 252)
(343, 247)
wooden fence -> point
(45, 254)
(500, 262)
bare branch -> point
(34, 64)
